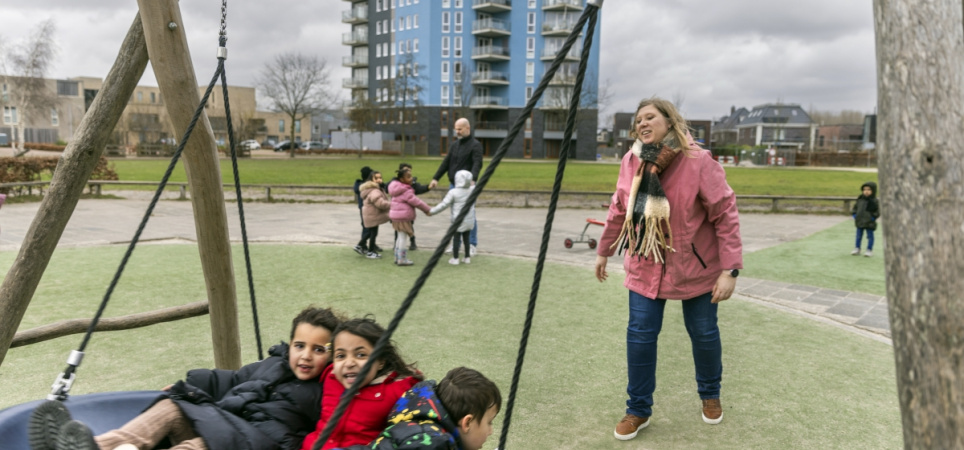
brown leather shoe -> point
(627, 428)
(712, 411)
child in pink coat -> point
(402, 213)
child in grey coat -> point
(457, 197)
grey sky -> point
(713, 54)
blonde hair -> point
(678, 129)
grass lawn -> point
(511, 175)
(823, 259)
(789, 382)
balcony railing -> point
(354, 61)
(359, 37)
(490, 77)
(558, 27)
(492, 6)
(355, 83)
(563, 79)
(488, 27)
(550, 53)
(355, 15)
(489, 101)
(490, 51)
(488, 125)
(548, 5)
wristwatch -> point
(735, 273)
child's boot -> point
(403, 257)
(75, 435)
(45, 423)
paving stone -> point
(865, 296)
(818, 299)
(757, 291)
(791, 294)
(833, 292)
(803, 287)
(874, 321)
(879, 309)
(849, 309)
(773, 284)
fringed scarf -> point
(642, 231)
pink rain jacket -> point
(404, 201)
(704, 222)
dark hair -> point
(367, 329)
(404, 165)
(465, 391)
(366, 172)
(400, 173)
(372, 175)
(319, 317)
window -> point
(414, 70)
(415, 45)
(530, 47)
(378, 6)
(446, 3)
(457, 98)
(457, 47)
(458, 3)
(408, 46)
(532, 4)
(415, 21)
(445, 95)
(153, 97)
(458, 21)
(297, 126)
(457, 69)
(378, 51)
(401, 23)
(392, 50)
(401, 47)
(281, 125)
(445, 46)
(408, 22)
(385, 26)
(67, 88)
(10, 115)
(393, 4)
(531, 23)
(140, 96)
(54, 118)
(528, 93)
(445, 22)
(378, 28)
(530, 73)
(378, 73)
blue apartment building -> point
(421, 64)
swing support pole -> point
(77, 163)
(171, 61)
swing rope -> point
(61, 386)
(589, 14)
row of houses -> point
(774, 125)
(145, 119)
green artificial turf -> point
(510, 175)
(823, 259)
(789, 382)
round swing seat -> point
(102, 412)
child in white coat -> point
(457, 197)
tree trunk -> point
(920, 56)
(68, 182)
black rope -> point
(590, 11)
(550, 217)
(244, 228)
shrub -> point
(22, 170)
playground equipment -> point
(584, 237)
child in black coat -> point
(866, 210)
(270, 404)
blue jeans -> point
(474, 236)
(870, 237)
(645, 322)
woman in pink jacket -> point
(402, 213)
(675, 219)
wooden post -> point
(171, 60)
(77, 163)
(920, 97)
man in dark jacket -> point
(464, 154)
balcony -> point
(490, 28)
(561, 5)
(489, 102)
(562, 80)
(355, 83)
(357, 37)
(355, 61)
(488, 125)
(549, 54)
(355, 16)
(560, 28)
(490, 53)
(490, 78)
(492, 6)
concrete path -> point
(512, 232)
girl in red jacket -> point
(367, 414)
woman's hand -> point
(725, 285)
(601, 273)
(167, 388)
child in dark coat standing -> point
(866, 210)
(361, 248)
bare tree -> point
(405, 92)
(297, 85)
(22, 69)
(362, 114)
(921, 102)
